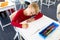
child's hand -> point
(30, 20)
(24, 25)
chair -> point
(58, 12)
(36, 1)
(20, 4)
(48, 2)
(3, 18)
(58, 0)
(17, 33)
(1, 25)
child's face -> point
(30, 11)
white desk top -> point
(9, 6)
(31, 33)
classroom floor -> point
(51, 11)
(9, 31)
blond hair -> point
(35, 6)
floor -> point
(51, 11)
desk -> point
(4, 11)
(31, 33)
(9, 6)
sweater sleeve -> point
(38, 16)
(15, 21)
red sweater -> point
(19, 17)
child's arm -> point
(16, 22)
(35, 18)
(19, 25)
(38, 16)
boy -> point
(31, 13)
